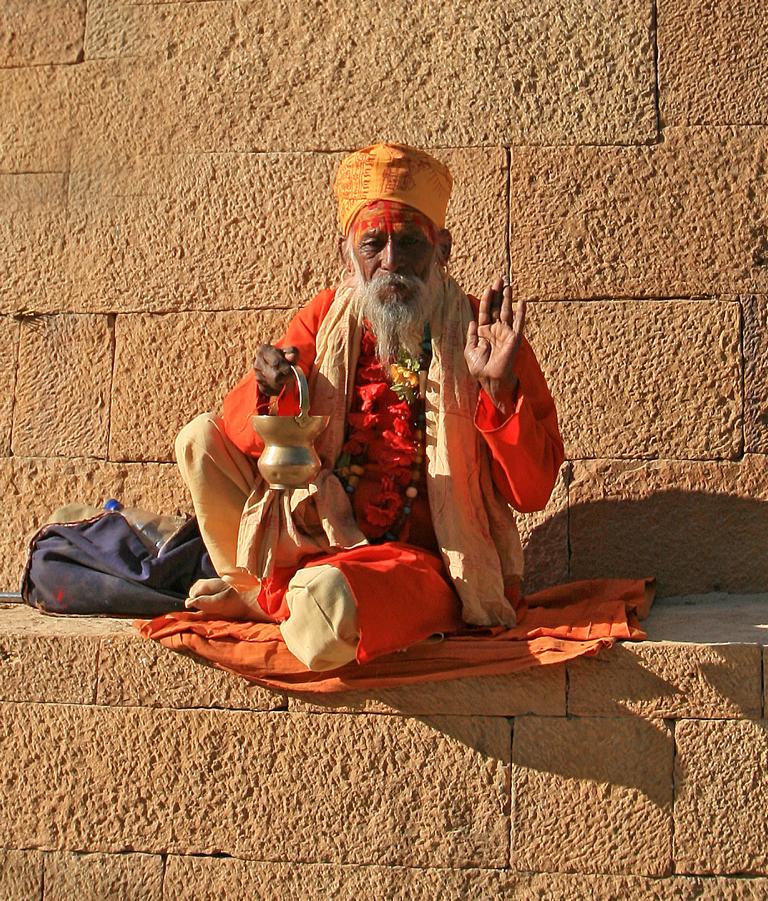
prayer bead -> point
(411, 491)
(406, 509)
(356, 469)
(353, 480)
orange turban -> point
(392, 172)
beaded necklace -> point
(407, 380)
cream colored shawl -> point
(474, 525)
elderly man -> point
(440, 423)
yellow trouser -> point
(322, 628)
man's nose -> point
(390, 256)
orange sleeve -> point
(243, 401)
(526, 447)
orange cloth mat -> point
(567, 621)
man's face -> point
(391, 239)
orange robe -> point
(401, 589)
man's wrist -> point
(503, 395)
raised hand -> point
(493, 342)
(273, 367)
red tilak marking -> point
(387, 215)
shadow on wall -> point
(692, 542)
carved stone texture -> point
(643, 378)
(670, 680)
(697, 527)
(592, 795)
(721, 797)
(756, 372)
(9, 349)
(94, 876)
(682, 218)
(134, 672)
(46, 31)
(342, 788)
(540, 690)
(286, 77)
(232, 880)
(63, 387)
(713, 62)
(21, 875)
(35, 125)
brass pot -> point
(289, 459)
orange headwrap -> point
(392, 172)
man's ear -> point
(344, 253)
(443, 245)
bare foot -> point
(218, 598)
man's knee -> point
(322, 628)
(201, 433)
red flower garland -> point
(380, 427)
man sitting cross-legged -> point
(440, 423)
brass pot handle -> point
(301, 383)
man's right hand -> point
(273, 368)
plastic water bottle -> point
(153, 529)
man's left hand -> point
(492, 345)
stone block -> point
(698, 527)
(592, 795)
(32, 488)
(134, 672)
(169, 368)
(755, 374)
(540, 690)
(35, 125)
(32, 242)
(21, 875)
(47, 31)
(9, 350)
(664, 679)
(685, 217)
(94, 877)
(31, 193)
(63, 387)
(715, 618)
(242, 76)
(207, 879)
(545, 538)
(54, 669)
(339, 788)
(643, 378)
(721, 793)
(714, 72)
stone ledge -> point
(134, 875)
(704, 660)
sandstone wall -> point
(131, 773)
(165, 205)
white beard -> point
(396, 307)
